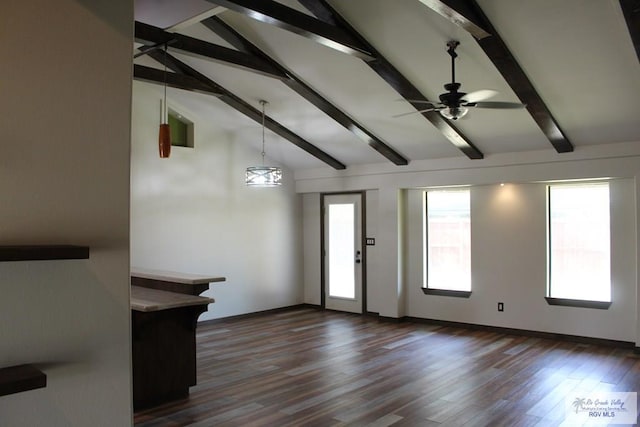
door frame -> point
(363, 262)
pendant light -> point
(263, 176)
(164, 136)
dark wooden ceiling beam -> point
(395, 78)
(234, 38)
(452, 15)
(245, 108)
(154, 37)
(178, 81)
(498, 52)
(631, 11)
(277, 14)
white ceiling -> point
(577, 53)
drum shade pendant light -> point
(164, 136)
(263, 176)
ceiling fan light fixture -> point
(454, 113)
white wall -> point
(508, 256)
(311, 216)
(374, 255)
(312, 254)
(192, 213)
(65, 85)
(508, 249)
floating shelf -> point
(17, 379)
(43, 252)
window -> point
(447, 242)
(578, 243)
(181, 130)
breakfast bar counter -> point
(147, 300)
(164, 344)
(184, 283)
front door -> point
(343, 252)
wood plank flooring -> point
(307, 367)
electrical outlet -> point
(500, 306)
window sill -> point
(601, 305)
(446, 293)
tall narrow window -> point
(578, 242)
(448, 240)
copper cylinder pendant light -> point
(164, 136)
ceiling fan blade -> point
(497, 105)
(416, 112)
(419, 101)
(479, 95)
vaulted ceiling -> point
(339, 74)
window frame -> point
(181, 124)
(574, 302)
(425, 245)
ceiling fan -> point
(453, 104)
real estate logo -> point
(602, 408)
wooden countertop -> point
(145, 299)
(175, 277)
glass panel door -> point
(343, 252)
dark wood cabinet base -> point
(164, 358)
(165, 309)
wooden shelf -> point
(43, 252)
(17, 379)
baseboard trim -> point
(525, 332)
(472, 326)
(308, 305)
(392, 319)
(258, 313)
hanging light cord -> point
(263, 104)
(164, 110)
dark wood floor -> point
(307, 367)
